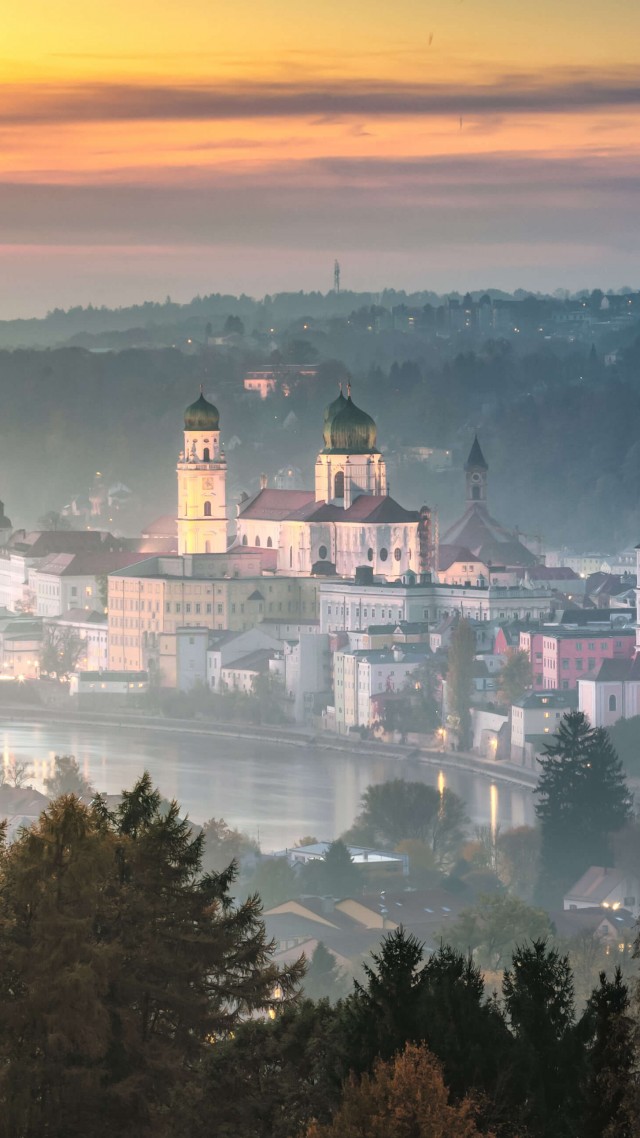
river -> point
(275, 792)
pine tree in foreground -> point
(120, 965)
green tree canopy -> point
(119, 963)
(67, 778)
(397, 810)
(515, 678)
(494, 928)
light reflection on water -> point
(274, 792)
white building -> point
(360, 675)
(608, 887)
(349, 519)
(67, 581)
(612, 690)
(91, 630)
(353, 605)
(227, 647)
(536, 714)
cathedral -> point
(349, 520)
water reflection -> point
(276, 793)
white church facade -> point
(347, 521)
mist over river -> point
(276, 792)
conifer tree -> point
(119, 965)
(582, 800)
(545, 1071)
(611, 1108)
(384, 1013)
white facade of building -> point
(360, 675)
(350, 606)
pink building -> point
(561, 656)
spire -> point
(476, 459)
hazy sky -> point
(151, 148)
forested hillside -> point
(561, 430)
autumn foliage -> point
(404, 1098)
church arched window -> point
(207, 509)
(207, 547)
(257, 541)
(338, 485)
(244, 539)
(613, 703)
(206, 455)
(475, 493)
(269, 543)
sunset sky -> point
(151, 148)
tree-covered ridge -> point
(551, 415)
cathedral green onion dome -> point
(201, 416)
(329, 414)
(352, 431)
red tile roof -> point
(275, 505)
(88, 564)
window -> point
(578, 646)
(579, 664)
(384, 553)
(178, 606)
(591, 663)
(197, 608)
(613, 703)
(209, 609)
(565, 664)
(591, 646)
(167, 607)
(618, 644)
(397, 553)
(269, 543)
(187, 607)
(604, 646)
(219, 608)
(257, 541)
(207, 509)
(322, 552)
(244, 539)
(338, 485)
(369, 555)
(206, 457)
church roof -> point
(476, 459)
(449, 554)
(615, 671)
(275, 505)
(201, 415)
(301, 506)
(378, 509)
(487, 538)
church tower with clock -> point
(202, 477)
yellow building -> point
(150, 601)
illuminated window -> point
(207, 509)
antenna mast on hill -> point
(336, 277)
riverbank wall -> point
(492, 769)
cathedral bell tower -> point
(350, 463)
(202, 478)
(476, 474)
